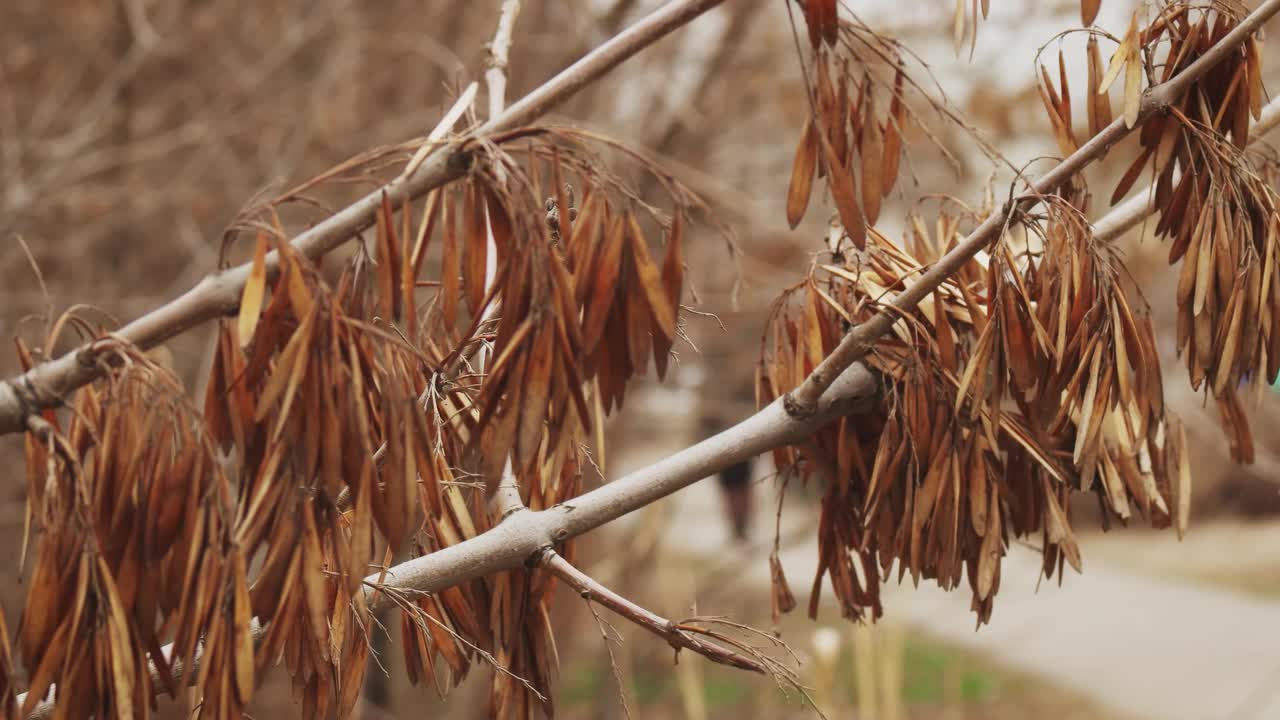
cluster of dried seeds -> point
(1219, 217)
(1029, 375)
(845, 138)
(137, 546)
(1026, 378)
(1216, 210)
(344, 428)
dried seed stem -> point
(858, 342)
(672, 632)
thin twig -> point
(672, 632)
(605, 626)
(859, 341)
(499, 56)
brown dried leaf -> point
(450, 264)
(1125, 54)
(803, 169)
(893, 128)
(650, 281)
(476, 248)
(872, 161)
(603, 283)
(845, 193)
(535, 394)
(1089, 11)
(1099, 102)
(1132, 94)
(254, 290)
(427, 228)
(388, 255)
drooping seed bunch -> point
(523, 348)
(846, 139)
(1094, 382)
(1216, 210)
(1030, 374)
(346, 425)
(1027, 377)
(583, 305)
(136, 547)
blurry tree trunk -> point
(122, 39)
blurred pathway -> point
(1142, 646)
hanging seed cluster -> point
(300, 394)
(579, 304)
(1216, 210)
(516, 358)
(136, 548)
(1219, 218)
(847, 139)
(1026, 378)
(345, 428)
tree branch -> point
(218, 294)
(506, 499)
(677, 637)
(862, 338)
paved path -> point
(1141, 646)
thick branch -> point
(1155, 100)
(593, 591)
(525, 533)
(219, 294)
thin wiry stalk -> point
(605, 627)
(218, 294)
(859, 341)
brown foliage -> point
(349, 423)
